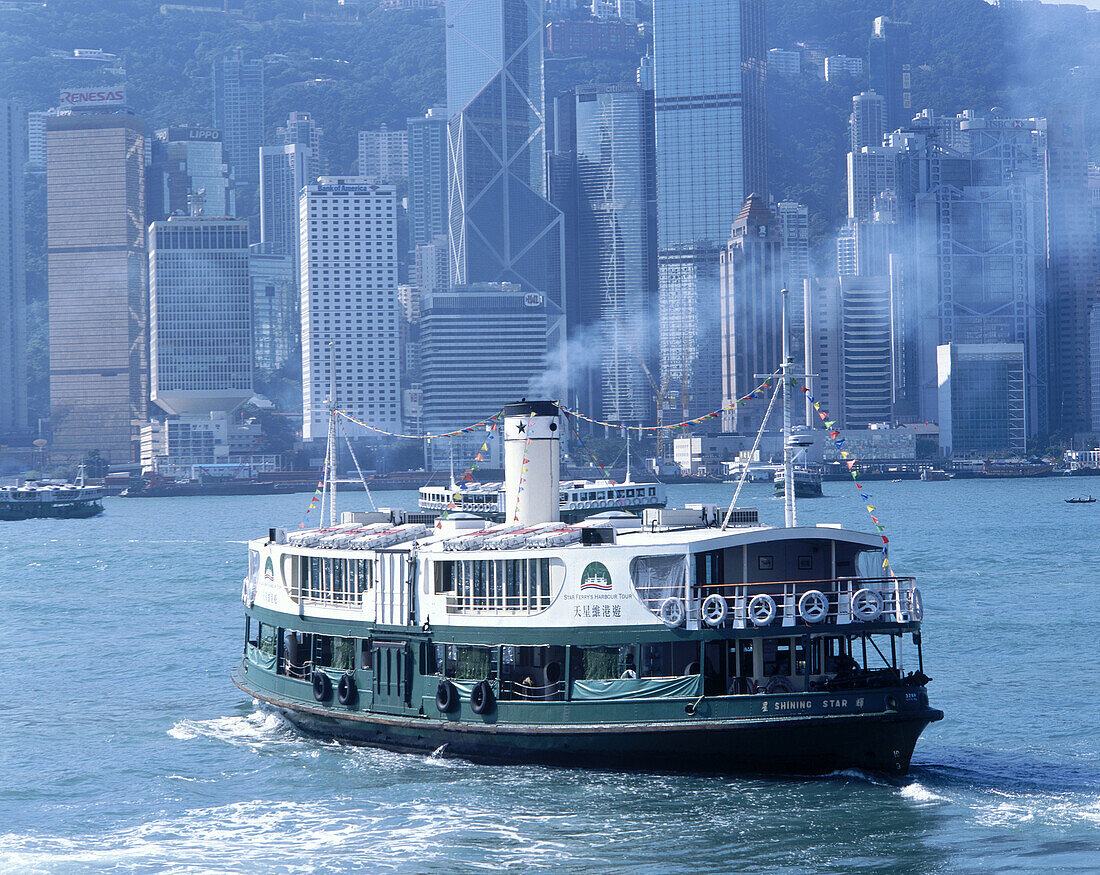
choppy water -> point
(124, 746)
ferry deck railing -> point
(847, 600)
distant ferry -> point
(807, 482)
(1017, 468)
(577, 499)
(693, 638)
(37, 499)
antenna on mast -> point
(789, 515)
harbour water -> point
(125, 747)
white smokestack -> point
(531, 462)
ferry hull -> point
(777, 745)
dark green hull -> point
(43, 510)
(752, 734)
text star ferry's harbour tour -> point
(691, 638)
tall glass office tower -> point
(709, 63)
(502, 227)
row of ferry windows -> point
(601, 495)
(542, 665)
(500, 584)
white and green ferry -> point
(691, 638)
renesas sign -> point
(92, 98)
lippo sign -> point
(92, 98)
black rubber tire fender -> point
(482, 698)
(322, 686)
(446, 697)
(346, 691)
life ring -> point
(691, 669)
(813, 606)
(762, 610)
(672, 612)
(322, 686)
(628, 675)
(916, 604)
(867, 605)
(346, 690)
(778, 684)
(551, 674)
(482, 698)
(714, 610)
(446, 697)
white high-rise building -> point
(348, 281)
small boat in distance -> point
(807, 482)
(1081, 500)
(51, 499)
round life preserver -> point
(813, 606)
(778, 684)
(628, 675)
(762, 610)
(916, 604)
(551, 674)
(714, 610)
(482, 698)
(867, 605)
(322, 686)
(672, 612)
(346, 690)
(446, 697)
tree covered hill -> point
(385, 66)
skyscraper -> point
(480, 346)
(709, 65)
(610, 128)
(239, 112)
(971, 216)
(200, 314)
(867, 123)
(301, 129)
(284, 171)
(751, 309)
(276, 326)
(890, 69)
(427, 151)
(501, 228)
(188, 172)
(349, 303)
(99, 368)
(13, 289)
(1073, 270)
(384, 155)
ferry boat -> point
(39, 499)
(578, 499)
(807, 482)
(689, 639)
(934, 475)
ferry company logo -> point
(269, 570)
(596, 576)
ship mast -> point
(789, 515)
(330, 449)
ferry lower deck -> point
(753, 702)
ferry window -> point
(298, 647)
(777, 656)
(248, 636)
(268, 637)
(765, 563)
(343, 654)
(653, 491)
(657, 578)
(602, 663)
(800, 656)
(745, 666)
(366, 654)
(365, 569)
(805, 563)
(444, 576)
(670, 659)
(868, 563)
(470, 662)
